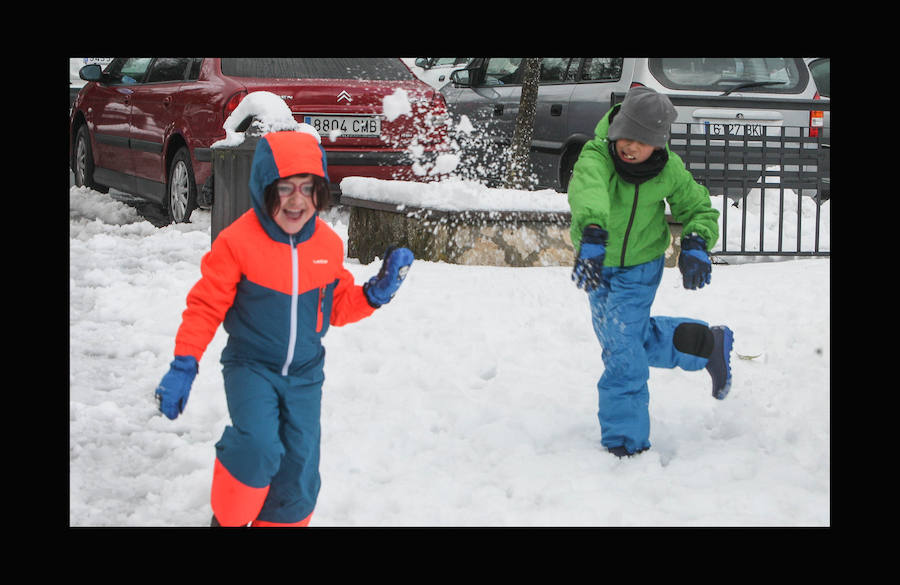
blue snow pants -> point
(274, 437)
(632, 342)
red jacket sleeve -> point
(350, 304)
(208, 300)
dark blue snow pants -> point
(271, 449)
(632, 342)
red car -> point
(144, 125)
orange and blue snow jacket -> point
(276, 293)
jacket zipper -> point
(321, 311)
(295, 285)
(628, 229)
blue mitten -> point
(694, 262)
(381, 288)
(172, 392)
(589, 262)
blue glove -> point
(172, 392)
(589, 262)
(694, 262)
(381, 288)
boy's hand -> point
(589, 262)
(381, 288)
(694, 262)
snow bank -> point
(453, 195)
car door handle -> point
(556, 110)
(167, 101)
(125, 95)
(498, 109)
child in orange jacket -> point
(275, 278)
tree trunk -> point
(519, 170)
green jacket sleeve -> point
(691, 206)
(589, 189)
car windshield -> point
(375, 69)
(727, 74)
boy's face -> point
(296, 203)
(632, 151)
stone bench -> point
(474, 237)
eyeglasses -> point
(287, 189)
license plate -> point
(347, 126)
(717, 128)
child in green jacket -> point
(620, 234)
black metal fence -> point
(771, 183)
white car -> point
(435, 71)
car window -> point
(502, 70)
(821, 72)
(507, 70)
(366, 68)
(722, 74)
(557, 69)
(602, 68)
(450, 61)
(132, 69)
(168, 69)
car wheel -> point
(181, 189)
(84, 162)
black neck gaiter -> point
(637, 173)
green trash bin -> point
(231, 182)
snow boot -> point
(719, 364)
(621, 451)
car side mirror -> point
(460, 78)
(422, 62)
(91, 72)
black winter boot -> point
(719, 365)
(621, 451)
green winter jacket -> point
(635, 215)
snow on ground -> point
(470, 400)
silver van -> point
(721, 102)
